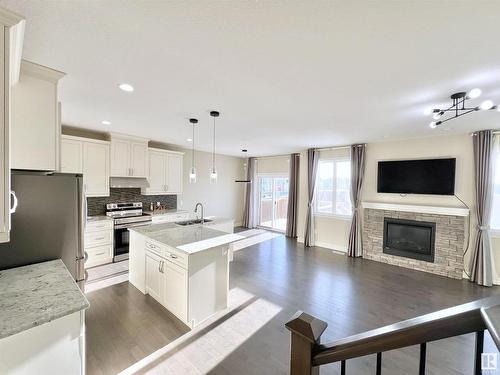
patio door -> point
(273, 201)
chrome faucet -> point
(196, 210)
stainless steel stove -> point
(125, 215)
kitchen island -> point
(185, 268)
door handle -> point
(14, 206)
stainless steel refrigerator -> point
(48, 222)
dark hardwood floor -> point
(352, 295)
(124, 326)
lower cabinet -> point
(155, 278)
(98, 242)
(56, 347)
(166, 282)
(175, 295)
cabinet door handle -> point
(159, 267)
(173, 256)
(14, 204)
(98, 239)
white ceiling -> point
(285, 75)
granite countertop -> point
(190, 239)
(37, 294)
(164, 212)
(91, 219)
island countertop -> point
(37, 294)
(190, 239)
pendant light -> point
(213, 170)
(192, 171)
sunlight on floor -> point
(202, 349)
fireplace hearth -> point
(409, 238)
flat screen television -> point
(430, 176)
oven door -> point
(121, 243)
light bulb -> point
(428, 111)
(487, 104)
(436, 115)
(474, 93)
(192, 175)
(213, 175)
(432, 125)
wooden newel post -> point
(306, 332)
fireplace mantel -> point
(436, 210)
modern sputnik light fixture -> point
(460, 107)
(213, 170)
(192, 171)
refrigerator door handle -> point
(14, 206)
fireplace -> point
(409, 238)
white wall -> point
(334, 233)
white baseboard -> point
(238, 224)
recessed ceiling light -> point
(189, 140)
(106, 122)
(126, 87)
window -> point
(333, 188)
(495, 212)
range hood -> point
(128, 182)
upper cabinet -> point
(164, 172)
(129, 156)
(11, 43)
(35, 117)
(90, 157)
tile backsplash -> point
(97, 205)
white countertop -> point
(37, 294)
(191, 238)
(165, 212)
(91, 219)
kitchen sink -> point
(193, 222)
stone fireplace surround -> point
(449, 240)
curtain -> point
(481, 266)
(355, 245)
(249, 216)
(293, 196)
(312, 170)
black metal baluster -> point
(479, 351)
(379, 363)
(342, 368)
(423, 353)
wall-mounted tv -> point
(429, 176)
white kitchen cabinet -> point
(174, 173)
(96, 168)
(175, 294)
(11, 42)
(71, 155)
(129, 156)
(36, 129)
(98, 242)
(56, 347)
(155, 277)
(164, 172)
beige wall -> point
(333, 233)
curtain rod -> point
(337, 147)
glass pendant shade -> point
(213, 175)
(192, 175)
